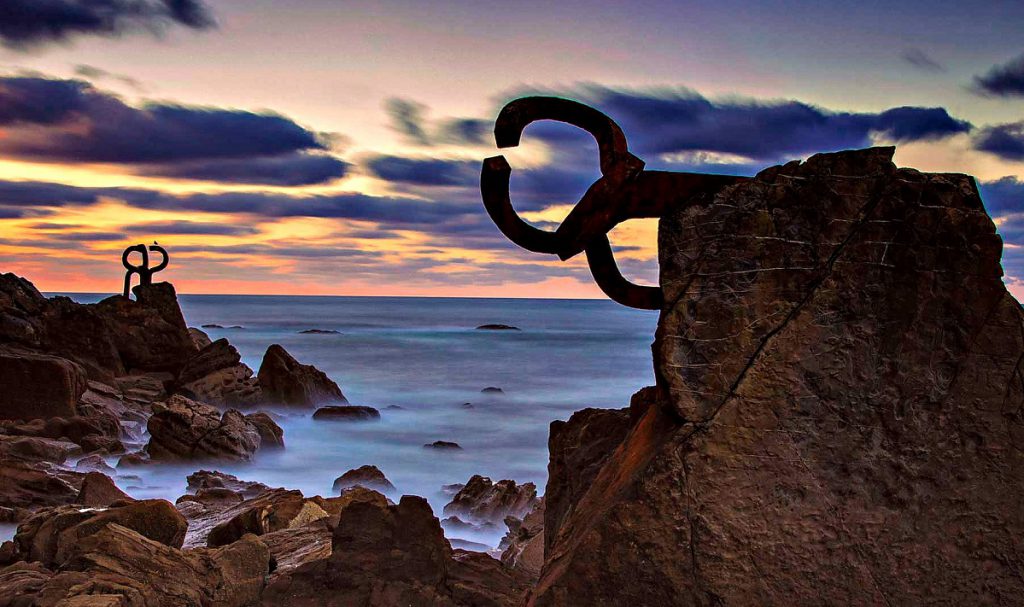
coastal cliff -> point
(838, 415)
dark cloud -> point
(1003, 140)
(921, 60)
(1003, 196)
(80, 123)
(1006, 80)
(294, 169)
(27, 23)
(430, 172)
(9, 213)
(410, 119)
(97, 74)
(407, 118)
(682, 121)
(91, 236)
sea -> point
(423, 364)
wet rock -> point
(217, 376)
(271, 435)
(285, 381)
(483, 501)
(334, 505)
(183, 429)
(32, 485)
(497, 327)
(34, 386)
(134, 460)
(347, 413)
(199, 338)
(443, 445)
(213, 326)
(393, 555)
(94, 463)
(369, 477)
(207, 479)
(293, 547)
(272, 511)
(320, 332)
(839, 369)
(51, 536)
(35, 449)
(99, 491)
(524, 543)
(492, 390)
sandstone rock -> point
(217, 522)
(271, 435)
(94, 463)
(369, 477)
(139, 572)
(840, 374)
(206, 479)
(295, 546)
(393, 555)
(334, 505)
(26, 485)
(217, 376)
(199, 338)
(34, 449)
(52, 536)
(183, 429)
(36, 385)
(285, 381)
(99, 491)
(524, 543)
(347, 413)
(484, 501)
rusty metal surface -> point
(143, 270)
(624, 191)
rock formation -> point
(184, 429)
(216, 375)
(837, 418)
(286, 381)
(483, 501)
(347, 413)
(369, 477)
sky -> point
(329, 147)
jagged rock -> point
(271, 435)
(94, 463)
(369, 477)
(32, 485)
(217, 519)
(35, 449)
(293, 547)
(51, 536)
(285, 381)
(99, 428)
(99, 491)
(524, 543)
(394, 555)
(839, 409)
(347, 413)
(334, 505)
(130, 570)
(183, 429)
(149, 333)
(206, 479)
(199, 338)
(216, 375)
(483, 501)
(34, 386)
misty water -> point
(424, 356)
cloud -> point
(68, 121)
(682, 120)
(1006, 80)
(30, 23)
(1003, 140)
(409, 118)
(193, 227)
(97, 74)
(1003, 196)
(429, 171)
(921, 60)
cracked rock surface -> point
(838, 416)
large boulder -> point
(286, 381)
(394, 555)
(34, 386)
(523, 545)
(26, 486)
(216, 375)
(220, 516)
(838, 412)
(183, 429)
(482, 501)
(368, 477)
(99, 491)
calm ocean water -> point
(425, 356)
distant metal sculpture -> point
(624, 191)
(143, 270)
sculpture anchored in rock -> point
(624, 191)
(143, 270)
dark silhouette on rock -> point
(286, 381)
(837, 408)
(143, 269)
(347, 413)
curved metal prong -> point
(518, 114)
(138, 248)
(607, 276)
(494, 183)
(162, 251)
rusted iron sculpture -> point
(624, 191)
(143, 270)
